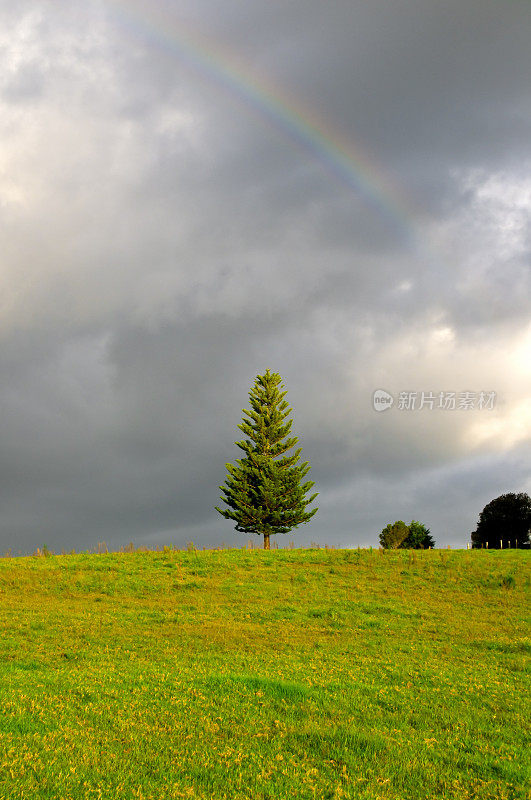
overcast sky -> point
(192, 192)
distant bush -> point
(419, 537)
(394, 534)
(414, 536)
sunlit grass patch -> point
(251, 674)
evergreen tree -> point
(263, 490)
(418, 538)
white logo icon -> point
(382, 400)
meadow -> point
(243, 673)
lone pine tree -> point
(263, 490)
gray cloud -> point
(169, 232)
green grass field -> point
(250, 674)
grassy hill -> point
(251, 674)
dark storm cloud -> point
(165, 240)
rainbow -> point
(344, 158)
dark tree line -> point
(504, 522)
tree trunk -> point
(266, 541)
